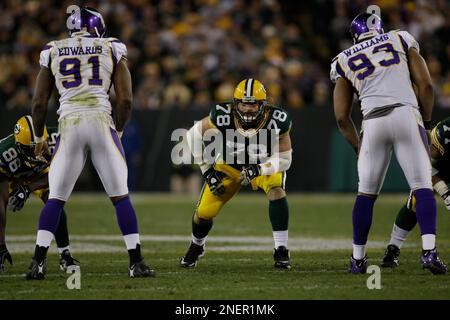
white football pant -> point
(80, 134)
(400, 131)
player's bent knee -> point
(276, 193)
(372, 196)
(118, 198)
(202, 217)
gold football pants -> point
(209, 205)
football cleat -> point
(430, 260)
(358, 266)
(36, 271)
(391, 257)
(140, 270)
(67, 263)
(282, 258)
(191, 257)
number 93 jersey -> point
(250, 145)
(15, 166)
(83, 67)
(378, 70)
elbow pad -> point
(278, 162)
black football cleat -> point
(391, 257)
(140, 270)
(36, 271)
(430, 260)
(191, 257)
(67, 263)
(282, 258)
(358, 266)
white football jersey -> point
(83, 66)
(378, 70)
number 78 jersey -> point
(247, 145)
(378, 70)
(83, 67)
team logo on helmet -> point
(364, 26)
(85, 17)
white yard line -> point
(96, 243)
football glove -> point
(446, 198)
(18, 197)
(4, 255)
(249, 173)
(214, 180)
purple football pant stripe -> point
(56, 146)
(423, 135)
(117, 142)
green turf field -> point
(238, 262)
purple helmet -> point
(88, 18)
(365, 25)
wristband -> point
(39, 139)
(441, 188)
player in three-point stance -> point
(246, 117)
(382, 68)
(406, 218)
(83, 68)
(22, 174)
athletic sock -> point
(426, 213)
(61, 233)
(200, 230)
(127, 220)
(362, 219)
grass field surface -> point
(238, 263)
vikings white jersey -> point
(83, 67)
(378, 70)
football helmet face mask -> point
(364, 26)
(24, 138)
(90, 19)
(249, 102)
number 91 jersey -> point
(83, 67)
(249, 145)
(378, 70)
(15, 166)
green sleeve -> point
(221, 116)
(282, 120)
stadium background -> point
(186, 55)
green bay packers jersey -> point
(15, 166)
(440, 137)
(242, 146)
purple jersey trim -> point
(46, 47)
(340, 71)
(404, 44)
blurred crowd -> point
(192, 53)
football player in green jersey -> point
(406, 218)
(238, 123)
(20, 175)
